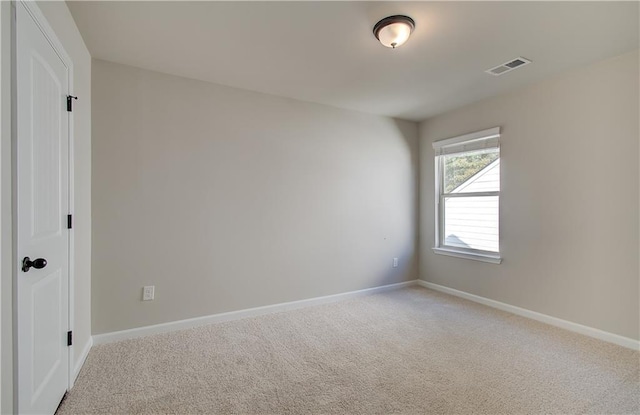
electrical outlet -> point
(148, 292)
(395, 262)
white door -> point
(42, 207)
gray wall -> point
(226, 199)
(569, 198)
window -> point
(468, 196)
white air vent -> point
(509, 66)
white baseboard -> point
(554, 321)
(240, 314)
(80, 362)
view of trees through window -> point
(458, 168)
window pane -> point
(477, 171)
(471, 222)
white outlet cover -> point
(148, 293)
(395, 262)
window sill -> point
(492, 259)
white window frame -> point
(469, 142)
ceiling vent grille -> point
(508, 66)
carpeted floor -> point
(412, 351)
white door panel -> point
(42, 207)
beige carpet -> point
(412, 351)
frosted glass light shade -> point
(394, 31)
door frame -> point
(38, 17)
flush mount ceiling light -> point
(393, 31)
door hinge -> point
(69, 221)
(69, 338)
(69, 102)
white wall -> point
(6, 294)
(226, 199)
(569, 198)
(60, 19)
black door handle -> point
(27, 263)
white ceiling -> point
(325, 52)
